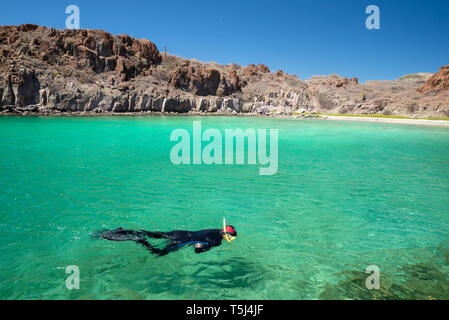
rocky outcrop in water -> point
(51, 71)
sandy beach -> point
(443, 123)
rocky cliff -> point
(49, 71)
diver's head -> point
(229, 233)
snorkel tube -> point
(227, 236)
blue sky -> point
(299, 37)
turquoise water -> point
(347, 195)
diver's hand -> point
(202, 247)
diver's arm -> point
(202, 247)
(168, 248)
(147, 245)
(206, 246)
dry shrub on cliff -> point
(235, 66)
(160, 74)
(324, 101)
(170, 62)
(294, 82)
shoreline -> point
(439, 123)
(423, 122)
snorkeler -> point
(203, 240)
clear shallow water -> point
(347, 195)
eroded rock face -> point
(438, 82)
(28, 89)
(177, 105)
(253, 71)
(91, 71)
(96, 50)
(8, 98)
(199, 81)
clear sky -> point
(300, 37)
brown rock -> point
(90, 48)
(125, 68)
(235, 81)
(341, 82)
(355, 80)
(263, 68)
(200, 81)
(92, 58)
(27, 27)
(438, 82)
(251, 71)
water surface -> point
(347, 195)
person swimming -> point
(203, 240)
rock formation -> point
(51, 71)
(438, 82)
(28, 88)
(8, 97)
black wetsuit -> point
(175, 239)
